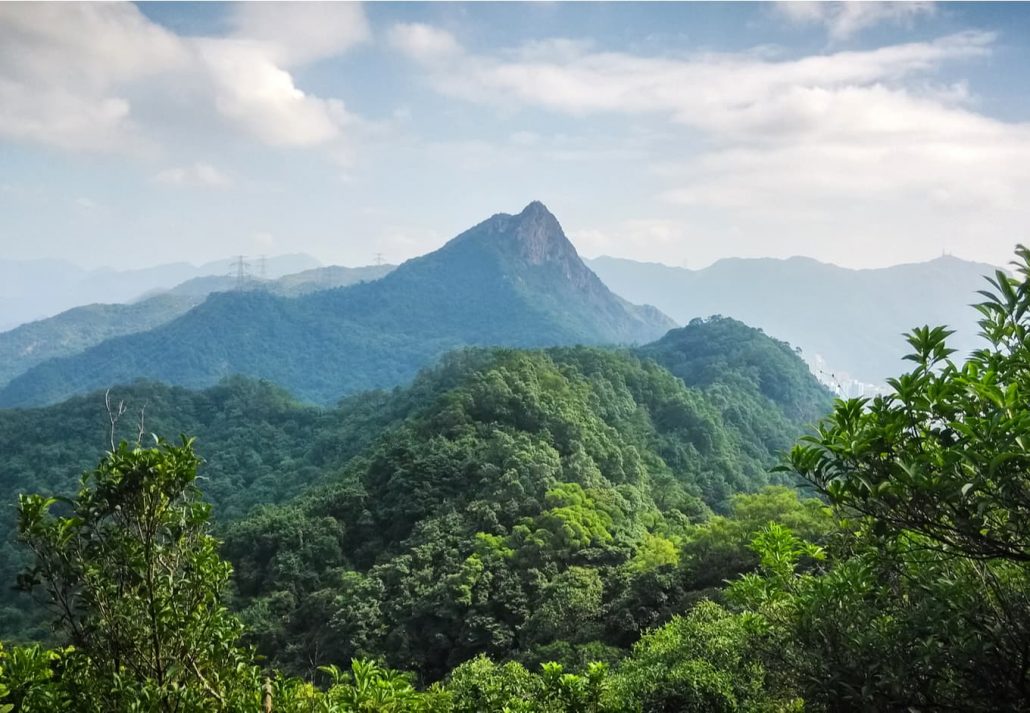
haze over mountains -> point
(35, 289)
(852, 319)
(75, 330)
(511, 280)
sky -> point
(862, 134)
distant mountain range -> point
(513, 280)
(36, 289)
(75, 330)
(848, 322)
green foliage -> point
(258, 445)
(925, 603)
(764, 393)
(369, 688)
(534, 532)
(702, 662)
(481, 686)
(720, 350)
(135, 586)
(946, 454)
(533, 504)
(542, 508)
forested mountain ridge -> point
(511, 280)
(546, 507)
(528, 507)
(31, 290)
(75, 330)
(851, 318)
(262, 446)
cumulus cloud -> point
(69, 72)
(843, 143)
(64, 69)
(260, 97)
(422, 42)
(845, 19)
(291, 33)
(198, 174)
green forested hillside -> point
(78, 329)
(262, 446)
(725, 359)
(513, 280)
(534, 531)
(257, 446)
(534, 505)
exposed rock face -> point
(533, 237)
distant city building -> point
(841, 383)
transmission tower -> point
(241, 269)
(263, 267)
(379, 258)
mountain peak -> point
(539, 236)
(535, 208)
(533, 236)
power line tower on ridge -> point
(241, 269)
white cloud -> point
(260, 97)
(292, 33)
(70, 72)
(722, 94)
(263, 240)
(858, 145)
(64, 68)
(198, 174)
(845, 19)
(423, 42)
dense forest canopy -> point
(563, 531)
(536, 475)
(261, 446)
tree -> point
(704, 661)
(947, 454)
(135, 584)
(928, 604)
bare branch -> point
(113, 415)
(142, 422)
